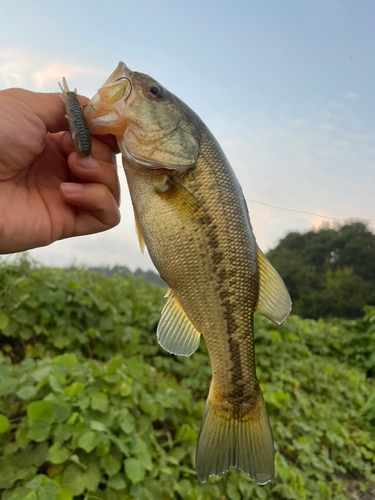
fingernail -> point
(71, 187)
(87, 162)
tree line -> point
(329, 272)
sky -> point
(287, 88)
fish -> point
(191, 215)
(78, 128)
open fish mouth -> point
(105, 108)
(117, 87)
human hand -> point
(47, 191)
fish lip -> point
(120, 72)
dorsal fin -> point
(176, 334)
(273, 299)
(139, 230)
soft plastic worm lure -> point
(77, 122)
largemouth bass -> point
(191, 214)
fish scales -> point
(191, 214)
(232, 263)
(225, 275)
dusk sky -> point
(287, 88)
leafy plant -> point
(92, 408)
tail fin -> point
(244, 443)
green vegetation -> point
(330, 272)
(92, 408)
(149, 276)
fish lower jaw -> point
(105, 123)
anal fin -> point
(176, 333)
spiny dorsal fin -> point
(139, 230)
(273, 300)
(176, 334)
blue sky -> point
(287, 88)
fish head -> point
(152, 126)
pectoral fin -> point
(139, 230)
(176, 334)
(273, 300)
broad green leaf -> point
(148, 404)
(184, 487)
(39, 431)
(98, 426)
(134, 470)
(141, 450)
(121, 445)
(88, 441)
(62, 408)
(23, 494)
(4, 424)
(41, 410)
(128, 424)
(5, 371)
(186, 434)
(35, 483)
(27, 392)
(93, 477)
(74, 388)
(55, 384)
(40, 373)
(99, 402)
(126, 389)
(25, 333)
(67, 359)
(61, 433)
(61, 341)
(4, 321)
(58, 455)
(117, 482)
(22, 437)
(49, 491)
(64, 494)
(75, 285)
(8, 386)
(110, 464)
(21, 316)
(73, 479)
(232, 492)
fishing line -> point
(302, 212)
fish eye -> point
(155, 91)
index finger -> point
(48, 107)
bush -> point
(92, 408)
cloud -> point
(54, 72)
(351, 96)
(21, 68)
(16, 65)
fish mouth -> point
(104, 112)
(122, 71)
